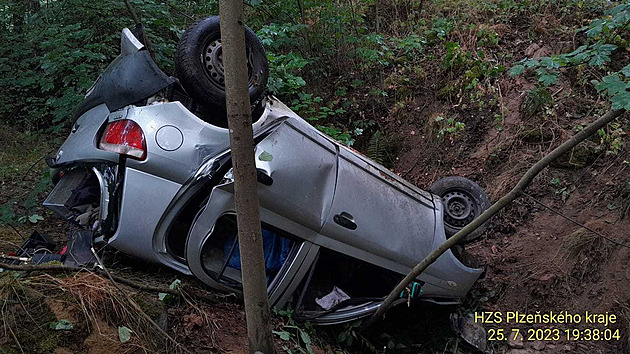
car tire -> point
(464, 200)
(199, 68)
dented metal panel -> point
(303, 169)
(392, 221)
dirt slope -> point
(537, 260)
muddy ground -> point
(536, 258)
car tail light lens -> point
(124, 137)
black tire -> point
(464, 200)
(199, 68)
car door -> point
(302, 167)
(297, 172)
(376, 216)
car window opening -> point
(221, 256)
(178, 232)
(336, 279)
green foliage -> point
(338, 134)
(7, 215)
(487, 37)
(296, 340)
(35, 218)
(350, 336)
(53, 52)
(611, 137)
(124, 334)
(473, 66)
(440, 29)
(412, 45)
(284, 78)
(169, 298)
(617, 87)
(536, 100)
(449, 127)
(603, 37)
(376, 148)
(62, 325)
(29, 204)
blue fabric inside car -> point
(275, 249)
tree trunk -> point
(495, 208)
(245, 185)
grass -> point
(30, 304)
(20, 150)
(587, 252)
(24, 175)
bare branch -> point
(495, 208)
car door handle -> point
(346, 220)
(263, 177)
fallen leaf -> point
(124, 334)
(62, 325)
(265, 156)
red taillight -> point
(124, 137)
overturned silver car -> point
(339, 230)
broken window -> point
(221, 257)
(336, 281)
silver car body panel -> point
(304, 197)
(314, 180)
(394, 222)
(144, 199)
(200, 140)
(81, 144)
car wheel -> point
(464, 200)
(199, 68)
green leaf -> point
(35, 218)
(612, 84)
(62, 325)
(621, 101)
(598, 59)
(165, 297)
(265, 156)
(626, 70)
(549, 63)
(306, 339)
(517, 70)
(530, 63)
(175, 284)
(124, 334)
(284, 335)
(548, 79)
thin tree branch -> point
(136, 306)
(54, 268)
(64, 268)
(495, 208)
(132, 11)
(610, 239)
